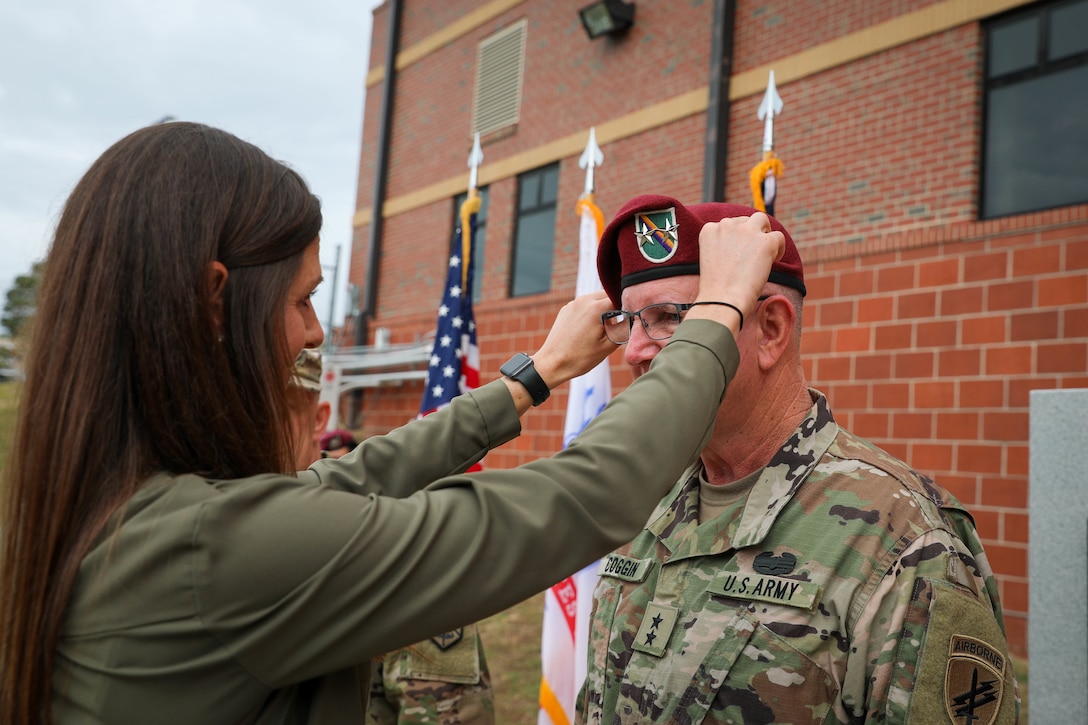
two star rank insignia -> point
(657, 624)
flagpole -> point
(567, 605)
(475, 158)
(470, 206)
(763, 178)
(769, 107)
(591, 158)
(454, 363)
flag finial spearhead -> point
(769, 107)
(475, 158)
(590, 158)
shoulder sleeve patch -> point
(963, 672)
(449, 657)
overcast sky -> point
(77, 75)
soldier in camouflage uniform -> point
(309, 414)
(796, 573)
(440, 681)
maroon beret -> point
(654, 236)
(335, 439)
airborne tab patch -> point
(974, 681)
(624, 567)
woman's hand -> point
(576, 343)
(735, 258)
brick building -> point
(936, 182)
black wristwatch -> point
(520, 368)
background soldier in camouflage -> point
(309, 415)
(796, 573)
(441, 681)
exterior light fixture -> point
(607, 17)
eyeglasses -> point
(659, 321)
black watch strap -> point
(520, 368)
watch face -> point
(516, 364)
(520, 368)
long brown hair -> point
(135, 365)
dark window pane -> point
(1036, 148)
(550, 186)
(529, 194)
(481, 239)
(481, 216)
(1068, 31)
(478, 263)
(1014, 46)
(531, 267)
(533, 256)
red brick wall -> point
(931, 352)
(770, 29)
(570, 84)
(926, 328)
(885, 144)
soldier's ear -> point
(775, 320)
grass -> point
(9, 396)
(512, 647)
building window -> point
(534, 240)
(1035, 146)
(500, 62)
(481, 237)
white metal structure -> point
(355, 368)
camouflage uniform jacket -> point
(443, 680)
(846, 588)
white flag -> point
(567, 605)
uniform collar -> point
(675, 521)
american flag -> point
(455, 358)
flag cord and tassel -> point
(769, 170)
(586, 203)
(470, 206)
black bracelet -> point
(725, 304)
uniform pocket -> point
(680, 684)
(773, 682)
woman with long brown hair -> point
(165, 565)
